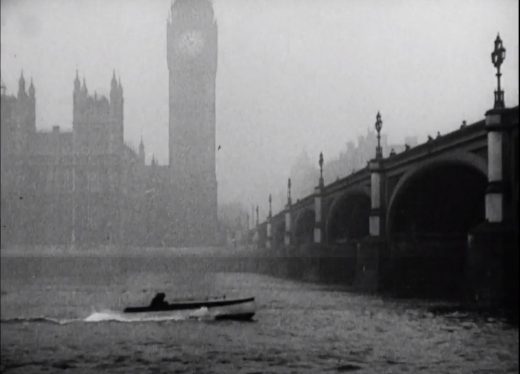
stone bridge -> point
(427, 217)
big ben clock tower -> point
(192, 65)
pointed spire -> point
(141, 148)
(31, 89)
(77, 84)
(114, 80)
(84, 87)
(114, 88)
(21, 84)
(141, 151)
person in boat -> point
(158, 300)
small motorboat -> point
(218, 308)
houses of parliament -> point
(87, 187)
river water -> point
(299, 327)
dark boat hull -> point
(241, 309)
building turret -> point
(77, 84)
(31, 108)
(84, 89)
(141, 152)
(113, 84)
(116, 114)
(115, 92)
(31, 90)
(25, 124)
(21, 86)
(79, 97)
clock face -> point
(190, 43)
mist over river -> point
(48, 304)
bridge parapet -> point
(469, 138)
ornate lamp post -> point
(268, 243)
(321, 169)
(379, 126)
(497, 57)
(289, 192)
(287, 234)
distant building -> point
(305, 175)
(355, 157)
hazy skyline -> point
(292, 74)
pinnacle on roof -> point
(31, 88)
(84, 86)
(114, 80)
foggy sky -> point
(292, 74)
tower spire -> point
(114, 80)
(114, 87)
(120, 86)
(141, 150)
(21, 85)
(84, 87)
(31, 89)
(77, 84)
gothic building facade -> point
(87, 187)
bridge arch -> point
(430, 212)
(304, 227)
(464, 160)
(348, 216)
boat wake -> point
(40, 320)
(113, 316)
(201, 314)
